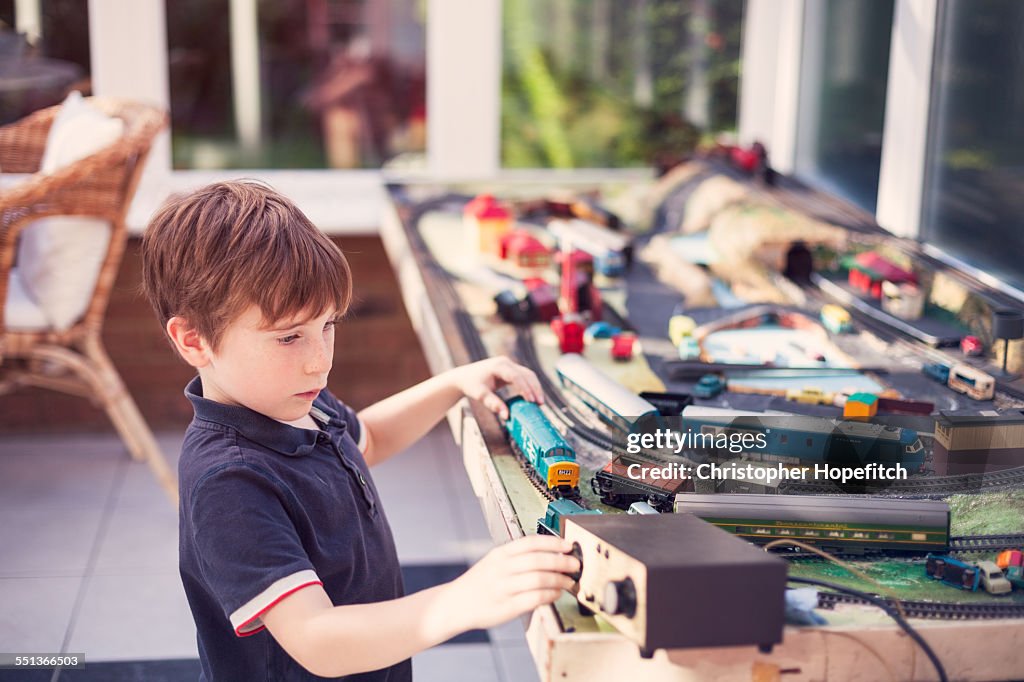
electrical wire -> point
(895, 602)
(888, 609)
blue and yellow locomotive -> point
(550, 458)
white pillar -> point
(770, 77)
(245, 73)
(28, 19)
(787, 86)
(905, 135)
(128, 51)
(463, 87)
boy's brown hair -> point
(209, 254)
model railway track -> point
(439, 285)
(958, 544)
(890, 335)
(985, 543)
(932, 610)
(938, 486)
(527, 354)
(439, 281)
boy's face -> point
(274, 369)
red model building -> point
(525, 250)
(490, 220)
(868, 270)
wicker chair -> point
(100, 185)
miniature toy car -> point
(953, 572)
(601, 330)
(835, 319)
(641, 508)
(622, 346)
(709, 386)
(810, 395)
(689, 349)
(679, 328)
(937, 371)
(992, 579)
(568, 330)
(971, 345)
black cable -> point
(890, 610)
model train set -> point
(952, 423)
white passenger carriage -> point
(613, 402)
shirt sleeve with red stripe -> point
(248, 548)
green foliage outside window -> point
(611, 83)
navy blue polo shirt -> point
(267, 509)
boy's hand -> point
(513, 579)
(481, 379)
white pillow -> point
(20, 311)
(60, 257)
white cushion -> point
(60, 257)
(21, 313)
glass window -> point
(843, 79)
(615, 83)
(44, 54)
(974, 192)
(296, 83)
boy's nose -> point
(320, 361)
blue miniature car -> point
(953, 572)
(709, 386)
(937, 371)
(601, 330)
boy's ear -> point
(192, 347)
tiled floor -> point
(88, 559)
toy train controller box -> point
(672, 581)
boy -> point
(285, 553)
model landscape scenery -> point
(719, 307)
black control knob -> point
(620, 598)
(577, 552)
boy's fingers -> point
(522, 380)
(543, 561)
(538, 580)
(535, 385)
(539, 543)
(527, 384)
(528, 601)
(495, 404)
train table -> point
(434, 236)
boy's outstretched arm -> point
(397, 422)
(332, 641)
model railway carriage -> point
(553, 521)
(550, 459)
(626, 480)
(838, 523)
(610, 250)
(814, 439)
(616, 405)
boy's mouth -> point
(309, 395)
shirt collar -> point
(259, 428)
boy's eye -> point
(288, 339)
